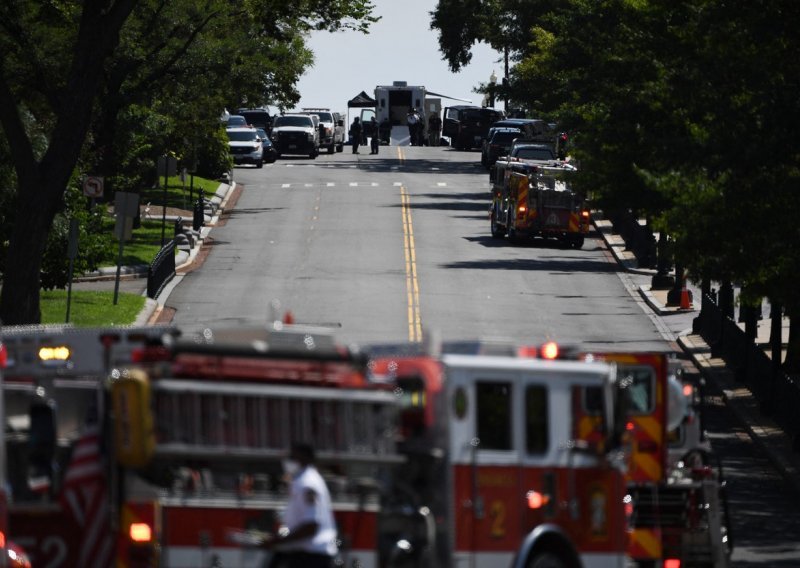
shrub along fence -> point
(778, 394)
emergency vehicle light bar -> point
(55, 354)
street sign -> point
(93, 187)
(126, 205)
(167, 166)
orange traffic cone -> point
(686, 300)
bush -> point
(213, 157)
(93, 243)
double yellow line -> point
(412, 283)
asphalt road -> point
(388, 247)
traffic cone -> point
(686, 298)
(288, 318)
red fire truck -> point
(431, 460)
(494, 450)
(535, 199)
(11, 555)
(52, 383)
(677, 495)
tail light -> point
(672, 563)
(537, 500)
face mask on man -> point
(291, 467)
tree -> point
(60, 59)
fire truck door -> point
(485, 464)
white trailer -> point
(393, 101)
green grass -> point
(146, 240)
(90, 309)
(144, 244)
(177, 193)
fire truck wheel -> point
(577, 242)
(497, 231)
(547, 560)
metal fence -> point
(777, 393)
(161, 270)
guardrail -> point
(777, 393)
(161, 270)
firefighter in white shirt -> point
(307, 538)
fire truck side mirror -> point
(134, 434)
(619, 423)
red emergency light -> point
(550, 350)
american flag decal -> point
(85, 499)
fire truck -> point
(532, 198)
(493, 448)
(676, 489)
(432, 461)
(52, 383)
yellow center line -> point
(412, 283)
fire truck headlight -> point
(141, 532)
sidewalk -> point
(775, 443)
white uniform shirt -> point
(310, 501)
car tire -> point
(260, 164)
(331, 148)
(340, 147)
(513, 237)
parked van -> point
(467, 126)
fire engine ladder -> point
(227, 420)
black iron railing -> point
(161, 270)
(777, 393)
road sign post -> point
(72, 252)
(125, 207)
(167, 165)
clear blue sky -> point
(400, 47)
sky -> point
(400, 47)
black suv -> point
(498, 144)
(467, 126)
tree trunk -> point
(19, 301)
(42, 184)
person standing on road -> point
(307, 538)
(412, 119)
(434, 129)
(386, 131)
(375, 141)
(355, 134)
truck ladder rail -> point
(253, 421)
